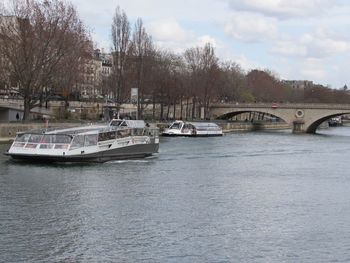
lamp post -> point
(135, 98)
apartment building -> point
(299, 84)
(93, 74)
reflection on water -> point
(243, 197)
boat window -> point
(138, 132)
(46, 146)
(18, 144)
(119, 134)
(46, 139)
(153, 132)
(91, 139)
(35, 138)
(78, 141)
(22, 137)
(207, 127)
(55, 138)
(105, 136)
(175, 125)
(62, 139)
(115, 123)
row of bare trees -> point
(44, 46)
(196, 78)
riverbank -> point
(252, 126)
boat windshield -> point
(77, 142)
(176, 126)
(117, 123)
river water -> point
(243, 197)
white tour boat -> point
(120, 139)
(181, 128)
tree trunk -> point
(181, 108)
(167, 108)
(174, 109)
(187, 109)
(193, 108)
(161, 110)
(26, 113)
(154, 107)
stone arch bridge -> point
(302, 118)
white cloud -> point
(283, 8)
(202, 40)
(318, 44)
(246, 63)
(314, 69)
(251, 27)
(168, 30)
(322, 44)
(194, 41)
(168, 33)
(289, 48)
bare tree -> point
(143, 52)
(193, 60)
(204, 68)
(265, 87)
(39, 41)
(233, 82)
(121, 42)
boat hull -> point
(129, 152)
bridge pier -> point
(298, 126)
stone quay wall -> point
(8, 130)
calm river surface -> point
(243, 197)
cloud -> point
(202, 40)
(251, 27)
(169, 34)
(323, 44)
(319, 44)
(246, 63)
(289, 48)
(313, 69)
(283, 9)
(168, 30)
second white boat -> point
(193, 129)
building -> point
(299, 84)
(93, 74)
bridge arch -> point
(230, 114)
(317, 120)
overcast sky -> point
(298, 39)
